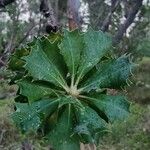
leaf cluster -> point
(63, 81)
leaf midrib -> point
(41, 109)
(96, 100)
(63, 84)
(103, 78)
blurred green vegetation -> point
(140, 90)
(15, 27)
(131, 134)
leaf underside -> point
(59, 79)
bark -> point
(107, 21)
(73, 14)
(130, 18)
(126, 8)
(48, 12)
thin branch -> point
(2, 135)
(10, 49)
(126, 7)
(130, 18)
(40, 25)
(24, 38)
(2, 63)
(107, 21)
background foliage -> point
(22, 20)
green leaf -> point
(110, 74)
(65, 100)
(76, 68)
(50, 48)
(42, 65)
(30, 117)
(71, 47)
(33, 91)
(15, 62)
(53, 37)
(89, 124)
(96, 45)
(21, 99)
(61, 137)
(114, 107)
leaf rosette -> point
(62, 83)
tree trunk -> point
(130, 18)
(73, 14)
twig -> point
(107, 21)
(24, 38)
(11, 49)
(2, 62)
(2, 135)
(40, 26)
